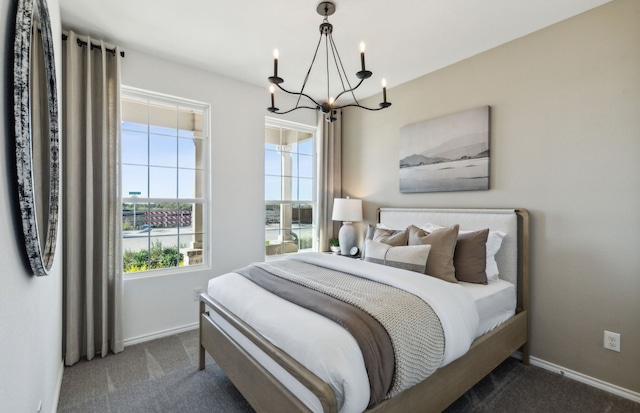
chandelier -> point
(330, 105)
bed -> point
(273, 380)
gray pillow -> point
(470, 257)
(443, 245)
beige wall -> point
(30, 307)
(565, 144)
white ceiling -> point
(405, 38)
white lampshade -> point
(347, 210)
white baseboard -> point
(159, 334)
(56, 394)
(583, 378)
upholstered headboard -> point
(514, 222)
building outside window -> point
(290, 187)
(165, 168)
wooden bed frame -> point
(266, 394)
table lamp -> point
(347, 210)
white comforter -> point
(327, 349)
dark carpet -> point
(162, 376)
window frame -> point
(181, 103)
(303, 128)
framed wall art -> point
(448, 153)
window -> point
(164, 160)
(290, 187)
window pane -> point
(305, 145)
(134, 127)
(272, 215)
(189, 120)
(293, 166)
(187, 153)
(162, 151)
(163, 119)
(305, 189)
(192, 218)
(306, 238)
(190, 183)
(289, 189)
(164, 252)
(135, 237)
(289, 140)
(133, 218)
(191, 249)
(272, 235)
(135, 179)
(135, 254)
(135, 148)
(303, 215)
(271, 138)
(167, 216)
(272, 188)
(162, 182)
(272, 163)
(305, 166)
(170, 131)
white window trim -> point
(301, 127)
(137, 93)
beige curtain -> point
(92, 211)
(329, 177)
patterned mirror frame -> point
(41, 259)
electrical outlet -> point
(611, 341)
(196, 293)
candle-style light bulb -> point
(384, 90)
(272, 90)
(276, 55)
(331, 101)
(362, 55)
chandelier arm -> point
(295, 108)
(299, 94)
(351, 91)
(357, 105)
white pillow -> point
(494, 242)
(385, 226)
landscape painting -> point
(449, 153)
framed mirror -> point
(36, 130)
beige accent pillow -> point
(412, 258)
(470, 256)
(393, 237)
(443, 245)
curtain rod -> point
(93, 45)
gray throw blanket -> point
(371, 337)
(411, 324)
